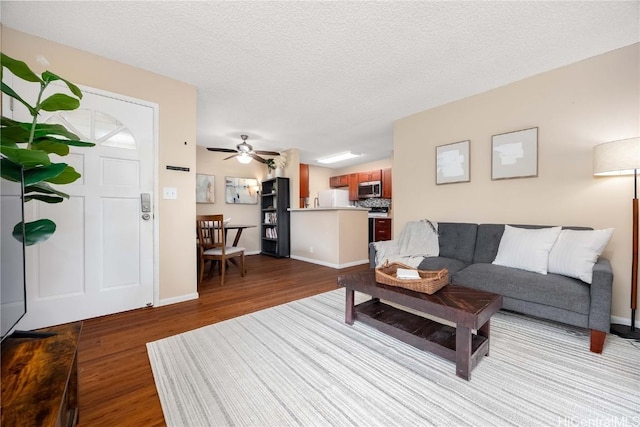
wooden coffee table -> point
(468, 308)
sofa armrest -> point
(601, 296)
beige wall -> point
(575, 108)
(213, 163)
(365, 167)
(335, 238)
(177, 125)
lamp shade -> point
(617, 157)
(244, 158)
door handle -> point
(146, 217)
(145, 202)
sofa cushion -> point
(552, 290)
(457, 240)
(526, 249)
(488, 240)
(440, 262)
(576, 252)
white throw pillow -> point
(576, 251)
(526, 249)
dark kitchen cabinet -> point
(369, 176)
(386, 183)
(381, 229)
(339, 181)
(353, 187)
(304, 183)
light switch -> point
(169, 193)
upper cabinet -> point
(304, 183)
(352, 181)
(386, 183)
(339, 181)
(353, 187)
(369, 176)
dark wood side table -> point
(40, 378)
(468, 308)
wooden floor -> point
(116, 386)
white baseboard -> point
(329, 264)
(180, 298)
(624, 321)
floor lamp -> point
(623, 158)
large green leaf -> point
(43, 173)
(19, 68)
(77, 143)
(6, 89)
(27, 158)
(35, 232)
(44, 129)
(57, 102)
(48, 76)
(43, 187)
(43, 198)
(51, 145)
(9, 170)
(67, 176)
(15, 133)
(68, 142)
(7, 142)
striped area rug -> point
(300, 364)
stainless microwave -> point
(367, 190)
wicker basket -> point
(430, 282)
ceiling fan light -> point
(244, 158)
(338, 157)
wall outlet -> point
(310, 249)
(169, 193)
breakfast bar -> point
(334, 237)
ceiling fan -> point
(245, 152)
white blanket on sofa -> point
(417, 240)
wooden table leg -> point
(463, 352)
(237, 239)
(349, 312)
(484, 331)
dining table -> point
(239, 228)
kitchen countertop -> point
(340, 208)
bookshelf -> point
(274, 222)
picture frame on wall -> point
(205, 188)
(515, 154)
(453, 163)
(241, 191)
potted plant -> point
(27, 145)
(271, 166)
(280, 162)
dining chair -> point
(212, 245)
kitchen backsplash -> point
(374, 203)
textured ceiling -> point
(327, 77)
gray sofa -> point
(468, 250)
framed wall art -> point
(241, 190)
(515, 154)
(453, 163)
(205, 188)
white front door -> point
(101, 258)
